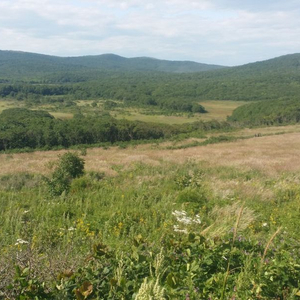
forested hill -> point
(23, 64)
(285, 64)
(145, 80)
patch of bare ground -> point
(270, 154)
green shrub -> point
(68, 167)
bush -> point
(68, 167)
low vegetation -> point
(166, 231)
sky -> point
(225, 32)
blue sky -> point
(227, 32)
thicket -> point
(274, 112)
(68, 167)
(23, 128)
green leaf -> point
(113, 282)
(172, 281)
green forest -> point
(33, 129)
(274, 112)
(275, 79)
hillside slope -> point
(147, 81)
(22, 64)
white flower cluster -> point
(177, 229)
(181, 217)
(21, 242)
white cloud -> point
(215, 31)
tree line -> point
(274, 112)
(24, 128)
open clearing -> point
(5, 104)
(268, 154)
(217, 110)
(61, 115)
(139, 116)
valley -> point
(130, 178)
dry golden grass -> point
(61, 115)
(270, 154)
(228, 217)
(219, 110)
(266, 130)
(5, 104)
(228, 188)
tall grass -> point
(138, 202)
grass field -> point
(217, 110)
(134, 115)
(240, 202)
(61, 115)
(5, 104)
(275, 151)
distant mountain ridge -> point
(16, 63)
(147, 79)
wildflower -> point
(21, 242)
(71, 228)
(178, 213)
(183, 218)
(177, 229)
(197, 219)
(264, 224)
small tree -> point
(68, 167)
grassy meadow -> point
(219, 221)
(217, 110)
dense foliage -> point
(30, 65)
(23, 128)
(268, 113)
(274, 79)
(68, 167)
